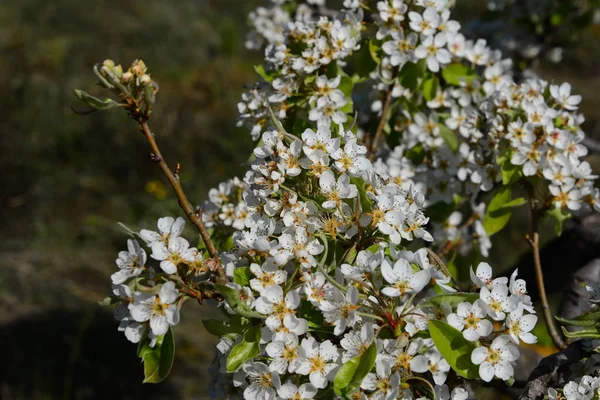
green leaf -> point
(575, 322)
(310, 79)
(364, 62)
(417, 154)
(453, 73)
(510, 173)
(158, 360)
(430, 88)
(346, 85)
(351, 374)
(350, 255)
(313, 317)
(588, 319)
(348, 107)
(374, 48)
(454, 347)
(497, 216)
(409, 76)
(232, 297)
(519, 201)
(559, 216)
(218, 328)
(449, 137)
(109, 301)
(365, 201)
(592, 333)
(95, 102)
(245, 350)
(242, 276)
(453, 299)
(260, 70)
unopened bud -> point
(144, 80)
(118, 71)
(138, 68)
(108, 63)
(212, 264)
(127, 76)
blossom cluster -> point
(147, 299)
(334, 289)
(307, 196)
(586, 388)
(454, 116)
(293, 63)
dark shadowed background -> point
(66, 180)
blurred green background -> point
(67, 180)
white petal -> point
(164, 225)
(479, 355)
(159, 325)
(486, 371)
(419, 364)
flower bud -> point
(127, 76)
(118, 71)
(138, 68)
(144, 80)
(108, 63)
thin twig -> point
(384, 114)
(184, 203)
(534, 242)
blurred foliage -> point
(67, 179)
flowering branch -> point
(534, 242)
(184, 203)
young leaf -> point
(313, 317)
(95, 102)
(576, 322)
(453, 73)
(497, 216)
(232, 297)
(510, 173)
(519, 201)
(350, 375)
(454, 347)
(374, 48)
(242, 276)
(409, 76)
(449, 137)
(559, 216)
(158, 360)
(365, 64)
(453, 299)
(346, 85)
(260, 70)
(247, 349)
(592, 333)
(365, 201)
(588, 319)
(223, 328)
(430, 88)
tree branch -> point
(384, 114)
(184, 203)
(548, 371)
(534, 242)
